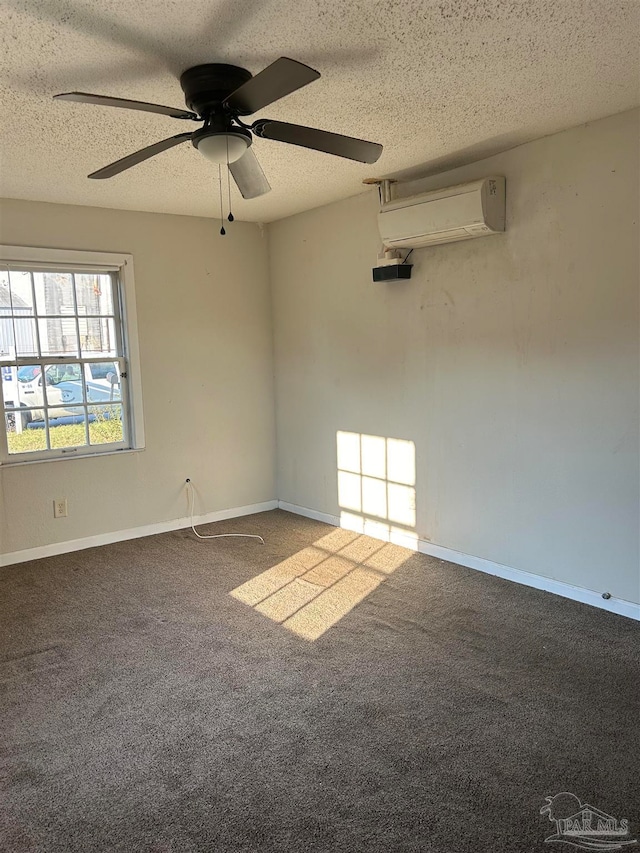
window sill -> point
(11, 464)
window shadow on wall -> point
(314, 589)
(377, 486)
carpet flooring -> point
(316, 693)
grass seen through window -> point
(101, 431)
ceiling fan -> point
(218, 94)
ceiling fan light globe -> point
(223, 147)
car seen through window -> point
(64, 389)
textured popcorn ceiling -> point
(435, 82)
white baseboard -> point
(310, 513)
(566, 590)
(586, 596)
(131, 533)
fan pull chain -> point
(230, 217)
(222, 231)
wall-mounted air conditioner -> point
(468, 210)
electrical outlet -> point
(60, 508)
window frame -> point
(74, 260)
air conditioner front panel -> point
(452, 236)
(444, 216)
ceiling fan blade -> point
(320, 140)
(277, 80)
(248, 175)
(106, 101)
(138, 156)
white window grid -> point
(119, 268)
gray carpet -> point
(144, 708)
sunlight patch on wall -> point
(314, 589)
(376, 487)
(311, 591)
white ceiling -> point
(435, 82)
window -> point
(68, 355)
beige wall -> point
(207, 376)
(511, 361)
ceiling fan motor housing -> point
(205, 87)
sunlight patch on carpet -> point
(315, 588)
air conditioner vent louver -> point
(444, 216)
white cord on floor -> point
(216, 535)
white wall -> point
(511, 361)
(207, 375)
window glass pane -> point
(29, 386)
(7, 343)
(94, 293)
(26, 340)
(7, 340)
(54, 293)
(102, 369)
(28, 372)
(32, 416)
(103, 381)
(9, 385)
(21, 293)
(58, 336)
(105, 424)
(98, 336)
(66, 431)
(64, 384)
(23, 439)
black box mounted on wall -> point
(392, 272)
